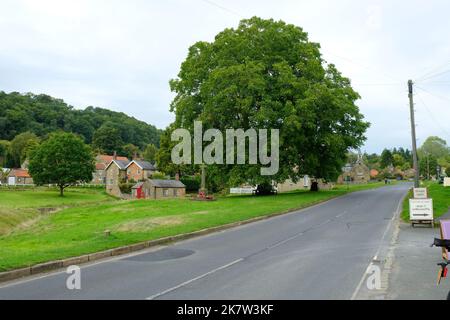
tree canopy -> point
(63, 159)
(266, 74)
(42, 114)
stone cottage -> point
(101, 162)
(158, 189)
(357, 173)
(139, 170)
(116, 172)
(19, 177)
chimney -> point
(115, 155)
(177, 176)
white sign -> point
(241, 190)
(421, 209)
(420, 193)
(447, 182)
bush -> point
(159, 176)
(125, 187)
(192, 183)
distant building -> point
(19, 177)
(139, 170)
(115, 173)
(357, 173)
(101, 162)
(158, 189)
(288, 185)
(374, 173)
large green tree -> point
(435, 146)
(266, 74)
(63, 159)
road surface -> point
(320, 252)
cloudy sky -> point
(121, 54)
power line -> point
(432, 71)
(377, 84)
(435, 75)
(223, 8)
(362, 65)
(434, 94)
(433, 118)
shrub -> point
(159, 176)
(192, 183)
(125, 187)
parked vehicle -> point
(443, 266)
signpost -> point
(421, 208)
(447, 182)
(420, 193)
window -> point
(175, 192)
(165, 192)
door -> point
(11, 181)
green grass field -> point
(80, 228)
(440, 196)
(19, 209)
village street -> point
(321, 252)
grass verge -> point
(80, 229)
(440, 196)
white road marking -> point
(284, 241)
(395, 215)
(193, 280)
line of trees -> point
(433, 154)
(26, 119)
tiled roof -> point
(19, 173)
(167, 183)
(107, 158)
(100, 166)
(145, 165)
(122, 164)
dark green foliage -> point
(387, 159)
(19, 148)
(150, 153)
(42, 114)
(192, 183)
(125, 187)
(266, 74)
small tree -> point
(150, 152)
(63, 159)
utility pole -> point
(413, 134)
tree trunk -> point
(314, 186)
(61, 191)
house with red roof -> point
(19, 177)
(101, 163)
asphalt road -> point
(320, 252)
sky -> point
(121, 55)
